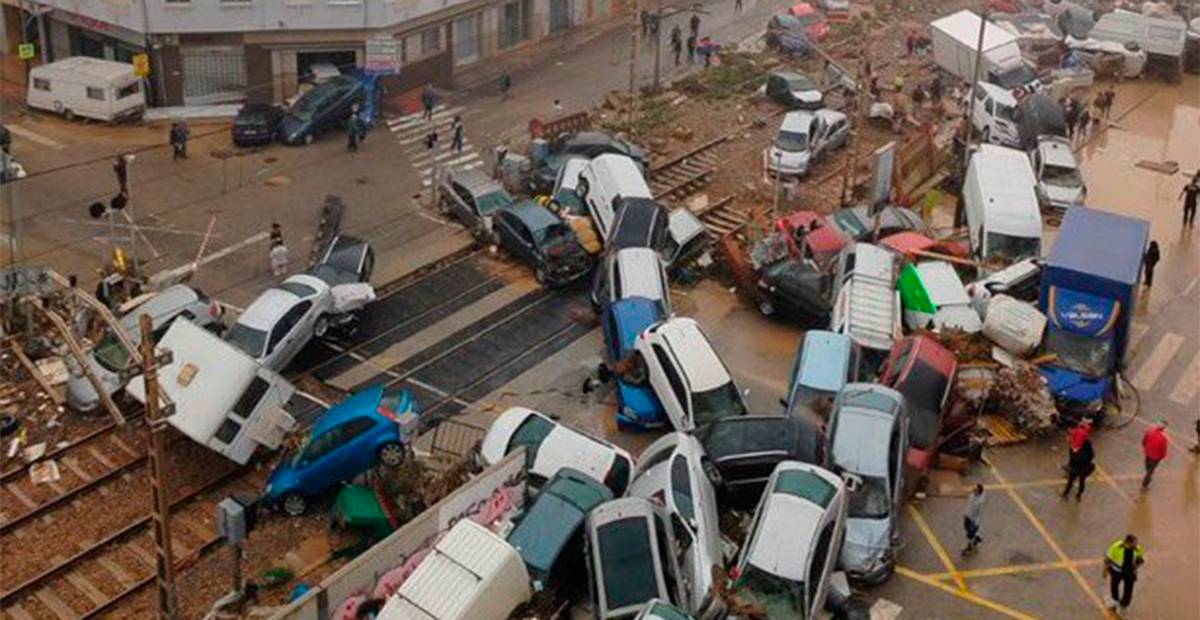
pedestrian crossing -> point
(1163, 364)
(410, 131)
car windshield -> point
(1013, 248)
(544, 531)
(297, 289)
(924, 389)
(309, 103)
(814, 400)
(800, 83)
(251, 341)
(717, 403)
(531, 433)
(490, 202)
(848, 221)
(781, 598)
(111, 354)
(627, 563)
(1006, 112)
(1087, 355)
(870, 500)
(791, 141)
(1062, 176)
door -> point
(462, 205)
(288, 336)
(560, 15)
(466, 39)
(671, 390)
(355, 454)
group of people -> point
(429, 99)
(693, 44)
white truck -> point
(956, 39)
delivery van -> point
(103, 90)
(1001, 202)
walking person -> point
(691, 48)
(178, 141)
(1080, 464)
(971, 516)
(645, 23)
(695, 25)
(1122, 561)
(1195, 449)
(557, 109)
(505, 84)
(1071, 112)
(1149, 260)
(428, 102)
(278, 254)
(1189, 200)
(353, 132)
(676, 42)
(431, 138)
(456, 137)
(1154, 447)
(737, 6)
(121, 169)
(1085, 122)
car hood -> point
(807, 96)
(1069, 385)
(1060, 195)
(787, 160)
(283, 480)
(867, 542)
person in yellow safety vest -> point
(1121, 562)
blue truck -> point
(1089, 293)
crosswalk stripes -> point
(1189, 383)
(410, 131)
(1160, 357)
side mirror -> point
(853, 481)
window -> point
(356, 427)
(249, 400)
(95, 93)
(816, 571)
(229, 431)
(618, 477)
(345, 2)
(672, 376)
(431, 41)
(531, 433)
(627, 566)
(41, 84)
(236, 2)
(681, 488)
(515, 18)
(287, 323)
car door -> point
(527, 249)
(316, 476)
(286, 337)
(504, 224)
(355, 454)
(463, 205)
(775, 89)
(837, 134)
(671, 390)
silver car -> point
(112, 363)
(868, 440)
(277, 325)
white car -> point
(1059, 182)
(994, 115)
(687, 375)
(792, 546)
(552, 446)
(868, 440)
(630, 556)
(804, 138)
(111, 363)
(672, 472)
(277, 325)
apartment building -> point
(209, 51)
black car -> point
(537, 236)
(746, 449)
(347, 260)
(257, 124)
(325, 107)
(640, 223)
(795, 289)
(794, 91)
(585, 144)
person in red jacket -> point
(1081, 433)
(1154, 446)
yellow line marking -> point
(1048, 482)
(1015, 569)
(1037, 524)
(965, 595)
(1110, 481)
(937, 547)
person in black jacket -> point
(1080, 465)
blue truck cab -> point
(1088, 293)
(623, 321)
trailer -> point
(1089, 295)
(956, 39)
(1163, 40)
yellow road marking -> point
(937, 547)
(1110, 481)
(1047, 482)
(965, 595)
(1015, 569)
(1053, 544)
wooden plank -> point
(73, 465)
(16, 612)
(118, 442)
(142, 554)
(117, 571)
(100, 458)
(35, 372)
(55, 604)
(21, 496)
(80, 356)
(87, 587)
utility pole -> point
(167, 596)
(975, 78)
(658, 15)
(635, 33)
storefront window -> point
(431, 41)
(515, 20)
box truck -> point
(1089, 292)
(956, 39)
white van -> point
(995, 115)
(89, 87)
(1001, 202)
(866, 305)
(605, 182)
(471, 574)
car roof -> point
(1057, 152)
(860, 440)
(824, 357)
(167, 303)
(641, 273)
(476, 181)
(999, 93)
(934, 354)
(700, 362)
(365, 402)
(791, 516)
(534, 215)
(265, 311)
(942, 283)
(799, 121)
(632, 316)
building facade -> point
(212, 51)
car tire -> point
(391, 454)
(69, 114)
(294, 504)
(321, 327)
(766, 307)
(308, 138)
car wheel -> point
(321, 328)
(294, 504)
(766, 307)
(308, 138)
(69, 114)
(392, 454)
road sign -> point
(141, 65)
(383, 57)
(26, 51)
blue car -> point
(373, 426)
(624, 321)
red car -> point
(810, 236)
(815, 26)
(909, 243)
(923, 371)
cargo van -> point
(608, 180)
(1001, 203)
(866, 305)
(471, 574)
(995, 115)
(103, 90)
